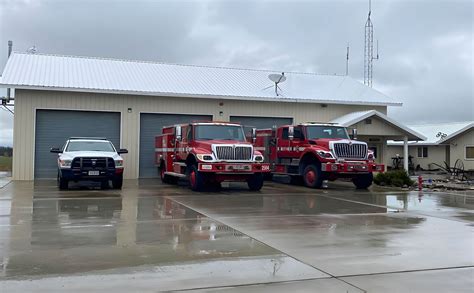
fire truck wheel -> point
(255, 182)
(363, 181)
(312, 176)
(166, 178)
(196, 179)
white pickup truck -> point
(91, 159)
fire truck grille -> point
(234, 153)
(350, 151)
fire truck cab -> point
(208, 153)
(315, 152)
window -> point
(315, 132)
(220, 132)
(82, 145)
(422, 152)
(298, 133)
(470, 152)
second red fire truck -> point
(314, 152)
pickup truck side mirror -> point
(122, 151)
(55, 150)
(178, 133)
(254, 135)
(354, 133)
(291, 133)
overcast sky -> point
(426, 46)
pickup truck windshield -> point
(81, 146)
(318, 131)
(219, 132)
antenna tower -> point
(369, 49)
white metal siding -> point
(27, 101)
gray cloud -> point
(426, 47)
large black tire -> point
(255, 182)
(363, 181)
(196, 178)
(63, 184)
(117, 182)
(312, 176)
(167, 179)
(104, 184)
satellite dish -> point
(277, 78)
(32, 50)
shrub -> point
(395, 178)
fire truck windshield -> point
(219, 132)
(321, 131)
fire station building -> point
(57, 97)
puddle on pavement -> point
(275, 205)
(64, 236)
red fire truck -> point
(314, 152)
(208, 153)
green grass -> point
(5, 163)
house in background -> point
(446, 142)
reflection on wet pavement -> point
(66, 236)
(152, 237)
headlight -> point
(205, 157)
(370, 156)
(258, 158)
(118, 163)
(65, 163)
(323, 154)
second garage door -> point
(150, 126)
(54, 127)
(260, 122)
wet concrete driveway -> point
(150, 237)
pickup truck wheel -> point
(62, 183)
(104, 184)
(117, 182)
(196, 179)
(255, 182)
(312, 176)
(363, 181)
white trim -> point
(140, 129)
(35, 110)
(465, 152)
(366, 114)
(205, 96)
(454, 134)
(269, 117)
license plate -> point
(94, 173)
(238, 167)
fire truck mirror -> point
(254, 135)
(178, 133)
(354, 133)
(291, 133)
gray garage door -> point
(260, 122)
(53, 127)
(151, 126)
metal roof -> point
(100, 75)
(434, 132)
(355, 117)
